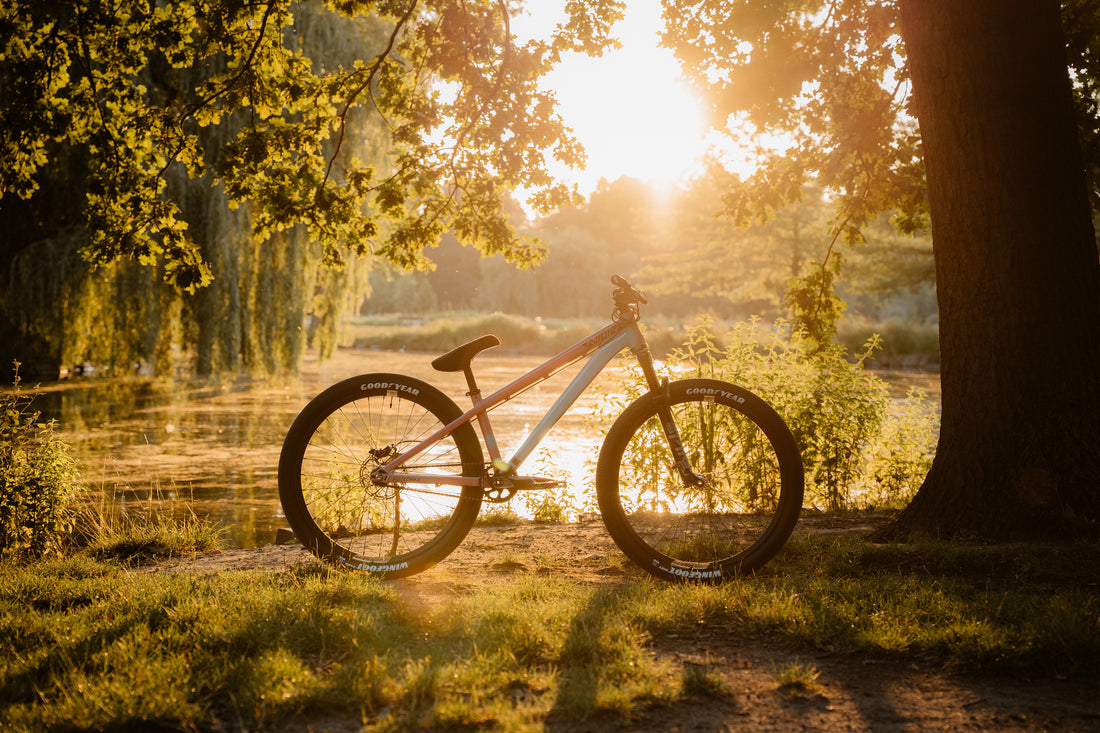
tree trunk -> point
(1017, 273)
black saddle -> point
(458, 360)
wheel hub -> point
(375, 488)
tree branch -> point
(365, 85)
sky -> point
(629, 108)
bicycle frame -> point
(601, 346)
(422, 496)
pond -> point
(214, 449)
(177, 447)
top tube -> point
(552, 366)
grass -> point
(136, 537)
(901, 341)
(704, 680)
(86, 644)
(441, 332)
(1010, 607)
(797, 679)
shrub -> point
(37, 480)
(833, 407)
(899, 459)
(858, 447)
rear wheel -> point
(344, 517)
(740, 512)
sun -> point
(629, 107)
(631, 113)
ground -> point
(850, 694)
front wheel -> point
(345, 517)
(737, 513)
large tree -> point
(1016, 267)
(978, 96)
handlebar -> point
(625, 290)
(627, 299)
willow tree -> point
(121, 314)
(149, 97)
(964, 112)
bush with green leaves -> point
(899, 458)
(38, 480)
(859, 448)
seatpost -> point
(474, 393)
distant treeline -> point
(672, 244)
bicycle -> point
(697, 479)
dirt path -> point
(850, 694)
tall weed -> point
(38, 479)
(900, 456)
(557, 504)
(137, 536)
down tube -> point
(630, 337)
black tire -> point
(342, 516)
(733, 525)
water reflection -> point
(214, 450)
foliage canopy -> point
(820, 90)
(458, 97)
(823, 91)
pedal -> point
(530, 483)
(285, 536)
(502, 488)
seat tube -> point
(482, 418)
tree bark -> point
(1017, 273)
